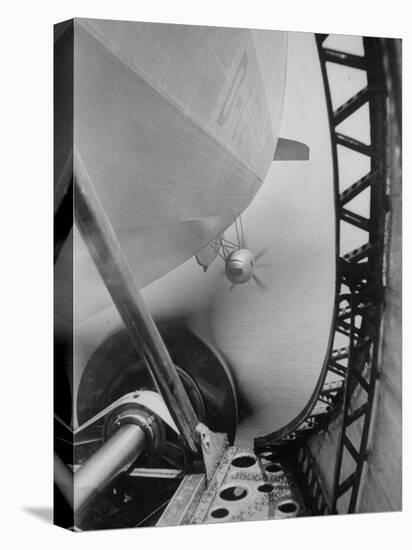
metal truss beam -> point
(352, 105)
(342, 58)
(357, 313)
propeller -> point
(240, 262)
(261, 254)
(240, 268)
(261, 286)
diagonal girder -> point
(341, 353)
(352, 105)
(359, 253)
(351, 448)
(346, 485)
(354, 144)
(354, 219)
(343, 58)
(355, 415)
(337, 368)
(356, 188)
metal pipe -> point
(115, 271)
(114, 457)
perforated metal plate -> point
(245, 487)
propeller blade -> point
(259, 284)
(232, 286)
(263, 265)
(261, 253)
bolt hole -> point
(244, 461)
(233, 493)
(266, 488)
(219, 513)
(288, 507)
(274, 468)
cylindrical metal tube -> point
(114, 457)
(115, 271)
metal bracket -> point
(147, 398)
(213, 447)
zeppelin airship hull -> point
(174, 125)
(177, 128)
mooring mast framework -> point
(360, 284)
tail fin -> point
(288, 149)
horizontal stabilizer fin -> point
(288, 149)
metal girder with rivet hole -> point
(247, 486)
(342, 58)
(352, 105)
(356, 188)
(354, 144)
(184, 502)
(213, 446)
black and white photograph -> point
(227, 274)
(205, 266)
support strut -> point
(112, 265)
